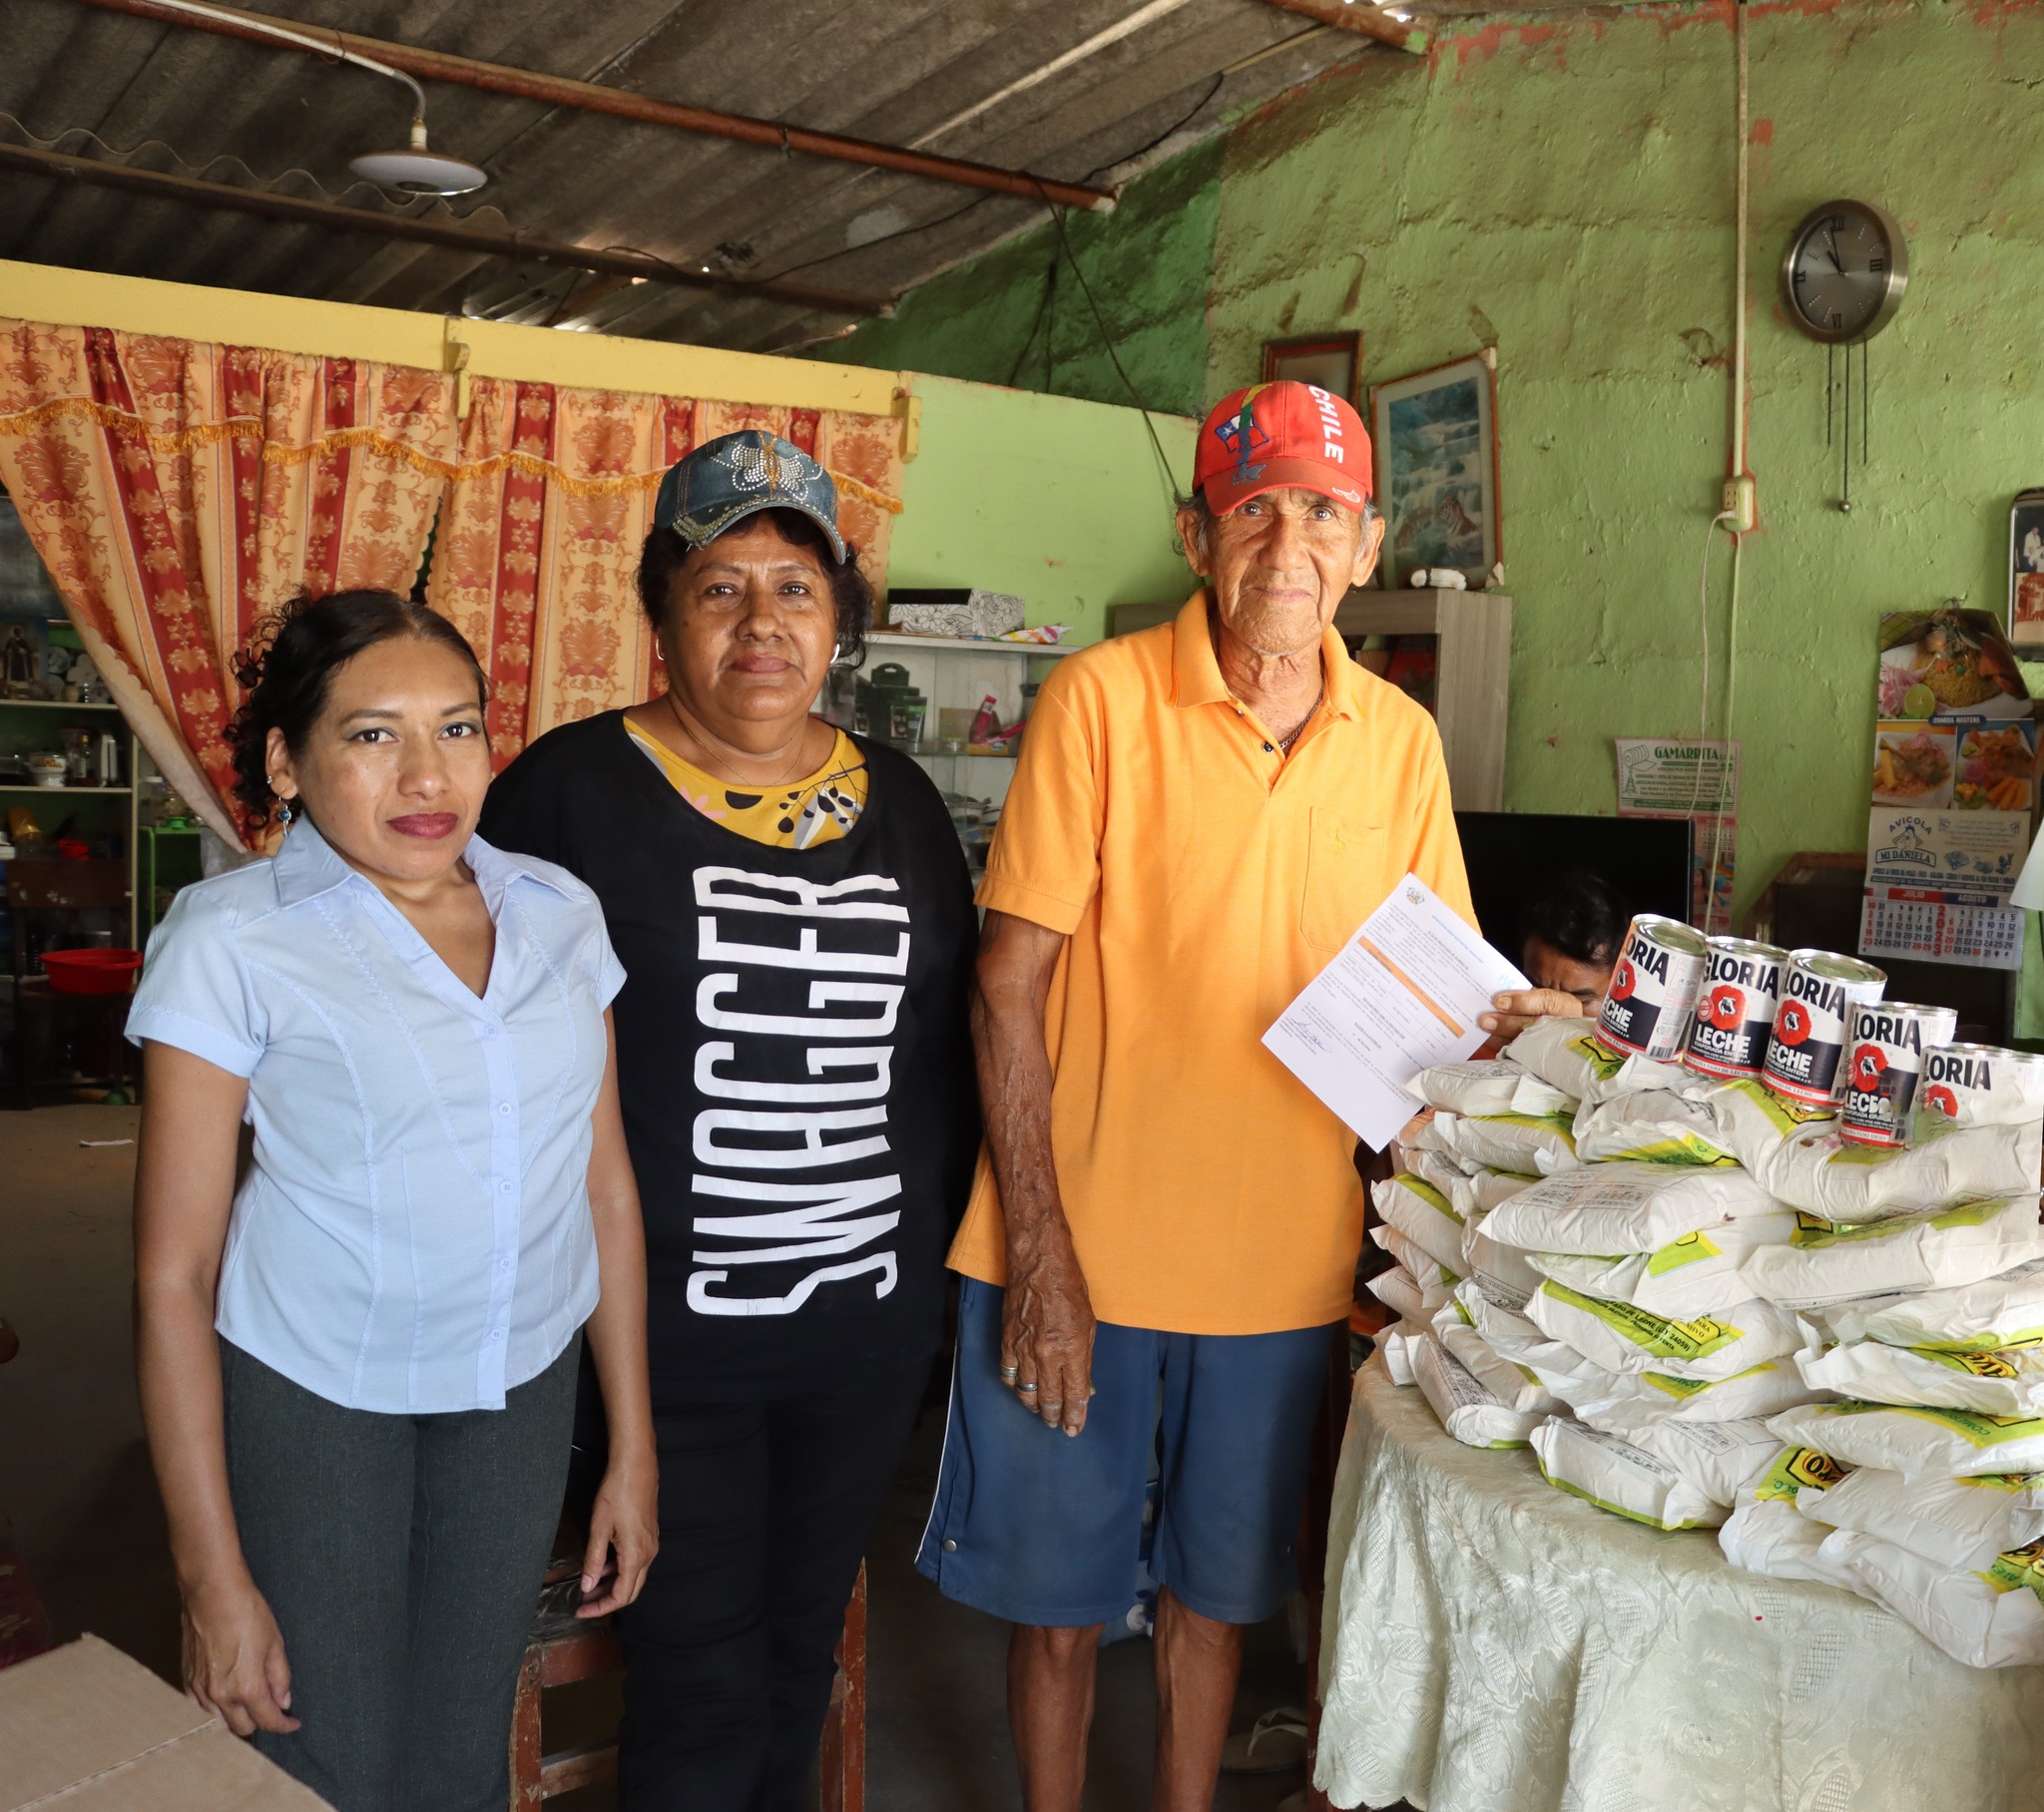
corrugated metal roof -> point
(188, 101)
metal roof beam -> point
(633, 265)
(593, 97)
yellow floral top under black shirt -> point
(817, 809)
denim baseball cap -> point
(738, 475)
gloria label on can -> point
(1982, 1085)
(1735, 1011)
(1807, 1055)
(1654, 986)
(1890, 1041)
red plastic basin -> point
(92, 971)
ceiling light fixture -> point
(417, 169)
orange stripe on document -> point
(1412, 987)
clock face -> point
(1845, 272)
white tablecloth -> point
(1492, 1644)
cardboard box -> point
(85, 1729)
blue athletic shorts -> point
(1039, 1526)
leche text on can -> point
(1735, 1011)
(1654, 985)
(1982, 1086)
(1884, 1063)
(1807, 1055)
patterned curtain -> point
(540, 534)
(176, 490)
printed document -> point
(1402, 996)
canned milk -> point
(1890, 1040)
(1820, 989)
(1736, 1011)
(1982, 1085)
(1652, 992)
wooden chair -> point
(39, 888)
(563, 1651)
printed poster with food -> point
(1953, 791)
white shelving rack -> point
(958, 673)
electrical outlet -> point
(1740, 503)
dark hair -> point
(1579, 914)
(287, 668)
(665, 552)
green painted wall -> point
(1060, 501)
(1564, 191)
(1001, 320)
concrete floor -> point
(76, 1486)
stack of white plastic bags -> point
(1699, 1306)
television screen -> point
(1511, 854)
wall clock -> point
(1844, 272)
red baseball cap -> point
(1272, 435)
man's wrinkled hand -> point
(1514, 1010)
(1046, 1338)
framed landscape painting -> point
(1435, 439)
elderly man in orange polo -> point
(1202, 815)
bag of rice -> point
(1625, 1208)
(1425, 1270)
(1819, 1171)
(1752, 1121)
(1531, 1144)
(1491, 1188)
(1568, 1055)
(1652, 1126)
(1624, 1403)
(1454, 1183)
(1423, 1214)
(2003, 1381)
(1825, 1263)
(1954, 1522)
(1503, 1273)
(1994, 1618)
(1395, 1343)
(1972, 1317)
(1511, 1336)
(1687, 1478)
(1400, 1292)
(1622, 1338)
(1471, 1414)
(1767, 1532)
(1515, 1386)
(1917, 1443)
(1488, 1085)
(1697, 1274)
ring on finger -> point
(1009, 1373)
(1027, 1389)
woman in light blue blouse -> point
(358, 1365)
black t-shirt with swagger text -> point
(793, 1060)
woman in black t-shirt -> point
(792, 910)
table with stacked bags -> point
(1691, 1302)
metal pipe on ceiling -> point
(593, 97)
(1358, 16)
(34, 162)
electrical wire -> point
(323, 47)
(1731, 688)
(1695, 795)
(1113, 357)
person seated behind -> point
(1574, 924)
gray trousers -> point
(403, 1557)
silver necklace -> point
(1286, 743)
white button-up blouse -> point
(414, 1234)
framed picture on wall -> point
(1333, 361)
(2026, 571)
(1434, 435)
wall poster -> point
(1953, 794)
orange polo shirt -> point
(1203, 879)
